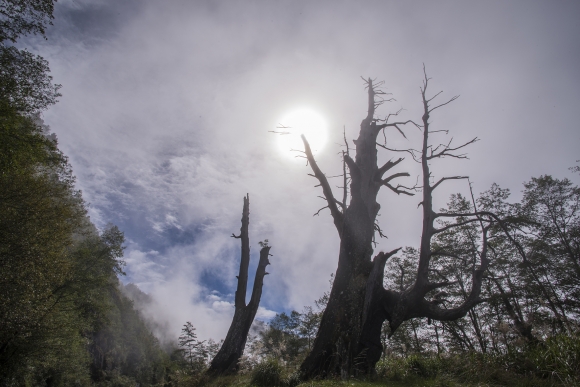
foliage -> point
(64, 321)
(263, 243)
(58, 286)
(194, 351)
(289, 337)
(39, 213)
(122, 348)
(23, 17)
(268, 373)
(24, 80)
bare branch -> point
(394, 176)
(259, 278)
(445, 254)
(443, 104)
(318, 212)
(334, 211)
(447, 149)
(240, 297)
(345, 180)
(432, 98)
(436, 285)
(412, 152)
(397, 189)
(450, 226)
(496, 218)
(395, 125)
(448, 178)
(378, 229)
(353, 168)
(388, 165)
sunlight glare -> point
(296, 123)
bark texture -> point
(226, 360)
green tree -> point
(39, 213)
(24, 80)
(194, 351)
(24, 17)
(122, 348)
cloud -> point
(166, 109)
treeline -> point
(532, 290)
(528, 320)
(63, 318)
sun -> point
(298, 122)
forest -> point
(490, 296)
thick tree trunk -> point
(397, 307)
(226, 360)
(348, 340)
(336, 347)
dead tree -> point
(348, 341)
(226, 360)
(336, 346)
(414, 302)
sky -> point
(167, 107)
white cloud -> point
(165, 118)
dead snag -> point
(226, 360)
(414, 302)
(336, 348)
(348, 340)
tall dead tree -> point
(226, 360)
(336, 346)
(413, 302)
(348, 341)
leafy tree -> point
(194, 351)
(121, 346)
(39, 213)
(23, 17)
(282, 340)
(24, 80)
(58, 285)
(63, 318)
(553, 209)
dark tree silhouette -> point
(349, 338)
(337, 343)
(226, 360)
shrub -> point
(397, 368)
(268, 373)
(558, 359)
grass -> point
(555, 363)
(442, 379)
(245, 381)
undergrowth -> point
(556, 362)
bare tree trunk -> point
(336, 346)
(397, 307)
(348, 340)
(226, 360)
(437, 340)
